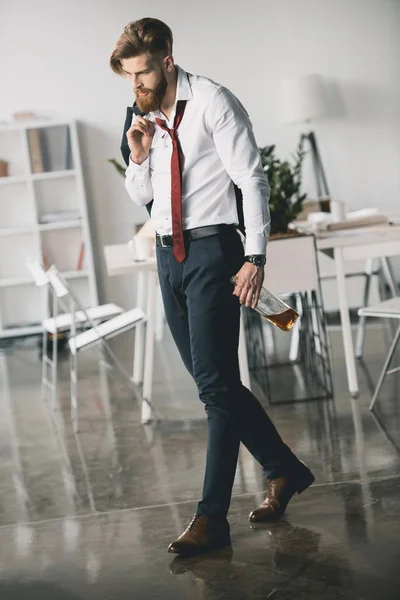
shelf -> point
(18, 230)
(21, 331)
(11, 281)
(75, 274)
(45, 227)
(26, 197)
(60, 225)
(53, 174)
(31, 124)
(37, 176)
(13, 179)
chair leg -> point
(74, 390)
(54, 374)
(128, 380)
(363, 320)
(44, 363)
(385, 368)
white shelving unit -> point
(30, 191)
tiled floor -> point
(90, 516)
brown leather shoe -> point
(279, 494)
(204, 533)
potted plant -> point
(284, 177)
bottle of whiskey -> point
(274, 309)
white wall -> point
(54, 60)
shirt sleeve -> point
(237, 148)
(138, 182)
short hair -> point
(141, 36)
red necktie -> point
(178, 244)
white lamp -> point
(303, 100)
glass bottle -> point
(274, 309)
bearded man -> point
(193, 144)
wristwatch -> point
(257, 259)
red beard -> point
(152, 100)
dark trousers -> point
(203, 316)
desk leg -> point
(346, 325)
(139, 333)
(389, 276)
(149, 347)
(159, 316)
(362, 321)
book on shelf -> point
(35, 150)
(79, 264)
(81, 256)
(45, 260)
(354, 223)
(25, 115)
(50, 148)
(68, 151)
(56, 148)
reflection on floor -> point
(90, 516)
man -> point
(194, 143)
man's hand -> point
(249, 282)
(139, 137)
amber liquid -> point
(284, 320)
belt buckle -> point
(162, 237)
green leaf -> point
(120, 169)
(284, 178)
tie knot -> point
(173, 133)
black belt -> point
(193, 234)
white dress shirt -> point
(219, 147)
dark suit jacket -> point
(125, 153)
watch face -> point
(258, 261)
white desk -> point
(352, 244)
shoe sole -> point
(200, 549)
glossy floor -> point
(90, 516)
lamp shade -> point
(302, 98)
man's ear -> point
(169, 63)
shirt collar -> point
(183, 92)
(183, 87)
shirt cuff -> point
(138, 170)
(255, 244)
